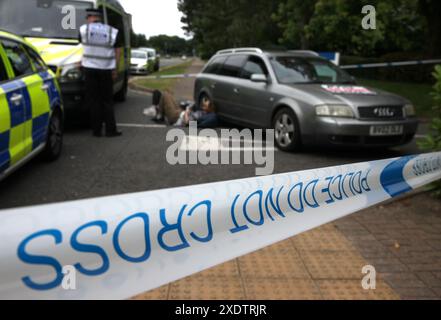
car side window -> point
(3, 74)
(215, 65)
(233, 66)
(18, 58)
(36, 60)
(254, 65)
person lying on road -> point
(168, 110)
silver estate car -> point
(306, 99)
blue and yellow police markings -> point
(5, 125)
(38, 119)
(24, 123)
(15, 129)
(53, 89)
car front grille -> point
(381, 113)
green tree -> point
(293, 18)
(335, 25)
(218, 25)
(137, 40)
(431, 10)
(172, 45)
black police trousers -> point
(99, 99)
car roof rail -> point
(305, 52)
(240, 50)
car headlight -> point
(409, 110)
(71, 72)
(340, 111)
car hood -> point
(138, 61)
(58, 52)
(353, 95)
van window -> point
(233, 66)
(18, 58)
(116, 21)
(215, 65)
(254, 65)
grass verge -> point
(163, 84)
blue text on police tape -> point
(271, 205)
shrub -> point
(433, 141)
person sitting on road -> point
(205, 118)
(168, 110)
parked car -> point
(154, 59)
(31, 108)
(139, 62)
(306, 99)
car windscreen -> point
(43, 18)
(139, 55)
(304, 70)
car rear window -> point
(215, 65)
(233, 66)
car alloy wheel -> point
(286, 130)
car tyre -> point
(201, 98)
(54, 140)
(286, 130)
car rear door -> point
(43, 93)
(5, 116)
(227, 93)
(17, 98)
(207, 82)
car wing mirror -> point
(259, 78)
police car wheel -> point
(54, 141)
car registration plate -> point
(391, 130)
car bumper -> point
(354, 132)
(73, 95)
(138, 70)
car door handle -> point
(45, 87)
(236, 90)
(213, 86)
(16, 99)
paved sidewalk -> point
(401, 239)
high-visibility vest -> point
(98, 42)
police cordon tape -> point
(124, 245)
(172, 76)
(347, 67)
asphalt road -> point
(91, 167)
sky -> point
(154, 17)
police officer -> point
(100, 68)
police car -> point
(31, 109)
